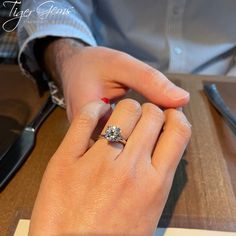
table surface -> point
(203, 194)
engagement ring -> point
(113, 135)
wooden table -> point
(204, 190)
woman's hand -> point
(111, 189)
(89, 73)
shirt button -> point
(176, 10)
(178, 51)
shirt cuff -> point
(26, 57)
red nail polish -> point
(106, 100)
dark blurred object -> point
(19, 151)
(14, 115)
(19, 103)
(8, 40)
(223, 97)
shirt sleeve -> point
(232, 70)
(64, 18)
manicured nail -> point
(106, 100)
(176, 93)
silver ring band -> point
(122, 141)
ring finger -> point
(125, 116)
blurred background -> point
(8, 40)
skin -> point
(89, 73)
(111, 189)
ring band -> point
(113, 135)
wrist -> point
(56, 54)
(56, 57)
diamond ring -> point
(113, 135)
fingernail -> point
(106, 100)
(176, 93)
(179, 109)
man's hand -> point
(90, 73)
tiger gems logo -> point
(43, 12)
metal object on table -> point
(17, 154)
(218, 102)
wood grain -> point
(207, 199)
(203, 193)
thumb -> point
(148, 81)
(77, 139)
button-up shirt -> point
(187, 36)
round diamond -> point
(113, 134)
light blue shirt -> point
(187, 36)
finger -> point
(148, 81)
(141, 142)
(101, 124)
(77, 139)
(125, 116)
(172, 143)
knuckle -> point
(150, 73)
(127, 174)
(129, 180)
(180, 124)
(130, 105)
(153, 111)
(116, 57)
(86, 118)
(184, 130)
